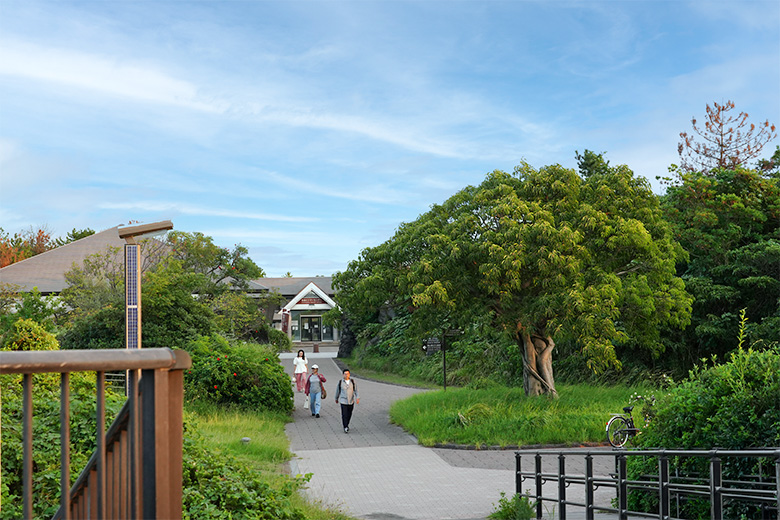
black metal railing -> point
(670, 486)
(136, 469)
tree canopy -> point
(544, 253)
(221, 266)
(729, 222)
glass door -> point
(310, 328)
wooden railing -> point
(136, 470)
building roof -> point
(291, 286)
(46, 271)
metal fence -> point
(670, 486)
(136, 470)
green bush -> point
(733, 405)
(217, 486)
(515, 508)
(279, 339)
(29, 335)
(241, 374)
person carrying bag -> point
(315, 390)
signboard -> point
(311, 301)
(431, 345)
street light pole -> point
(133, 276)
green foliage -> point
(478, 354)
(242, 374)
(100, 329)
(514, 508)
(217, 486)
(279, 339)
(29, 335)
(73, 235)
(729, 222)
(732, 405)
(584, 258)
(45, 310)
(171, 315)
(221, 267)
(26, 334)
(96, 284)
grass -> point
(501, 416)
(266, 452)
(385, 377)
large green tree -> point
(221, 266)
(546, 254)
(729, 222)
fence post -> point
(518, 471)
(27, 434)
(777, 478)
(663, 487)
(589, 500)
(562, 486)
(538, 478)
(100, 450)
(622, 486)
(65, 445)
(716, 480)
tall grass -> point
(501, 416)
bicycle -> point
(620, 427)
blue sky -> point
(307, 131)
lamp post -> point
(133, 276)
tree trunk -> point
(537, 365)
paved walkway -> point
(379, 472)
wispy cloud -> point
(110, 76)
(199, 211)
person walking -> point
(300, 370)
(347, 397)
(314, 390)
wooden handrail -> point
(59, 361)
(136, 470)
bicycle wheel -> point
(617, 431)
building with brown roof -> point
(46, 271)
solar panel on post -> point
(132, 296)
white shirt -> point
(300, 365)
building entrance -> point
(311, 329)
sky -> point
(308, 131)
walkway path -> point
(378, 471)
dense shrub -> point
(101, 329)
(26, 334)
(217, 486)
(279, 339)
(241, 374)
(29, 335)
(733, 405)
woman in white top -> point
(300, 370)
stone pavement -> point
(378, 471)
